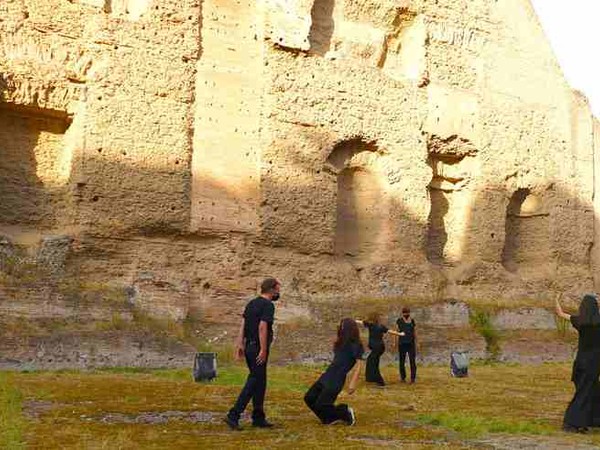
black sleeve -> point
(414, 324)
(575, 322)
(245, 313)
(268, 313)
(384, 328)
(398, 324)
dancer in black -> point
(377, 347)
(321, 396)
(583, 412)
(407, 345)
(253, 343)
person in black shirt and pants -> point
(254, 341)
(321, 396)
(407, 345)
(583, 410)
(377, 347)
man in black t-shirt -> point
(407, 345)
(254, 342)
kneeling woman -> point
(583, 411)
(321, 397)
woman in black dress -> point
(582, 411)
(321, 396)
(377, 347)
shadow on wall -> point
(362, 211)
(484, 236)
(322, 26)
(32, 163)
(436, 227)
(530, 229)
(527, 231)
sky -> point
(573, 31)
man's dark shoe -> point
(233, 424)
(262, 424)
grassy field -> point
(164, 409)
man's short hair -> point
(268, 285)
(406, 309)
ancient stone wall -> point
(403, 150)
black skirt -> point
(584, 409)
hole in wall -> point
(437, 237)
(322, 26)
(450, 161)
(360, 212)
(527, 232)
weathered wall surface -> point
(596, 248)
(181, 150)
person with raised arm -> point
(376, 332)
(583, 410)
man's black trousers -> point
(255, 387)
(410, 350)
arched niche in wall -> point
(362, 207)
(527, 231)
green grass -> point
(495, 400)
(481, 321)
(477, 426)
(11, 419)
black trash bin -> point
(205, 366)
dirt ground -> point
(499, 406)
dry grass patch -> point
(438, 410)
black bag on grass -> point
(459, 364)
(205, 366)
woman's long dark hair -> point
(588, 310)
(347, 333)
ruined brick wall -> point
(395, 149)
(124, 75)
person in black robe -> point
(582, 411)
(376, 332)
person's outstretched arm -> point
(354, 377)
(558, 309)
(395, 333)
(239, 342)
(358, 321)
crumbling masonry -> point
(183, 149)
